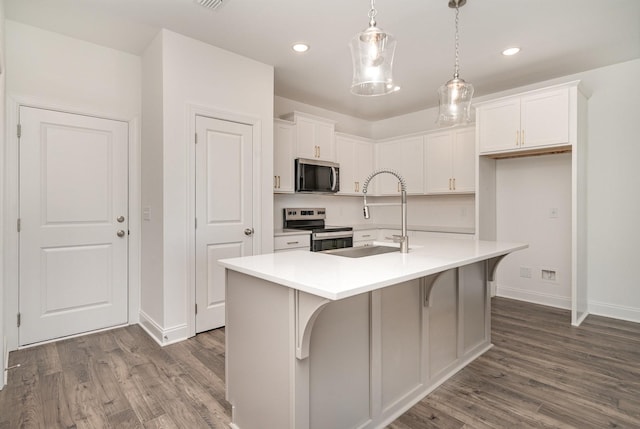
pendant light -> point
(455, 95)
(372, 53)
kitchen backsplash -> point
(443, 211)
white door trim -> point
(194, 110)
(11, 189)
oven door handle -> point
(330, 235)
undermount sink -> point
(360, 252)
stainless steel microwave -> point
(317, 176)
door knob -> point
(248, 231)
(120, 219)
(120, 233)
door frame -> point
(11, 190)
(255, 122)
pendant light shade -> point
(372, 54)
(455, 95)
(455, 102)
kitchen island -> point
(318, 341)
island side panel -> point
(442, 314)
(474, 307)
(402, 348)
(339, 365)
(259, 352)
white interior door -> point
(224, 223)
(73, 224)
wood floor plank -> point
(161, 422)
(541, 373)
(55, 406)
(143, 402)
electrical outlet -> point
(525, 272)
(548, 275)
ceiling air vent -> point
(212, 4)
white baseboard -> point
(534, 297)
(163, 336)
(632, 314)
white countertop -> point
(337, 277)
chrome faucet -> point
(404, 238)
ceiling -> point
(557, 38)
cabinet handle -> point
(454, 184)
(366, 235)
(275, 182)
(522, 139)
(292, 242)
(449, 183)
(355, 186)
(318, 151)
(278, 182)
(398, 186)
(517, 138)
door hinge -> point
(19, 130)
(19, 320)
(19, 224)
(196, 308)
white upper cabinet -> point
(405, 156)
(314, 136)
(526, 122)
(355, 156)
(284, 143)
(449, 161)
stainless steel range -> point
(322, 237)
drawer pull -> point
(293, 242)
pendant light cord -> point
(457, 66)
(372, 14)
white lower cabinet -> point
(283, 243)
(364, 237)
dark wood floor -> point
(542, 373)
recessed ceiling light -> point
(300, 47)
(510, 51)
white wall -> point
(344, 123)
(423, 120)
(195, 74)
(49, 69)
(56, 69)
(3, 339)
(526, 191)
(613, 186)
(151, 257)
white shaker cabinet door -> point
(464, 160)
(545, 119)
(499, 125)
(283, 157)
